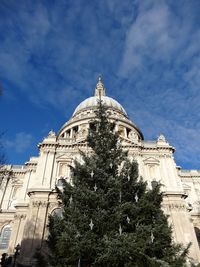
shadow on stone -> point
(33, 253)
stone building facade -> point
(28, 197)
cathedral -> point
(28, 196)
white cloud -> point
(20, 143)
(158, 34)
(45, 49)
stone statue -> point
(161, 138)
(133, 136)
(51, 134)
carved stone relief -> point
(83, 131)
(177, 207)
(121, 130)
(39, 204)
(20, 216)
(133, 136)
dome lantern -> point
(100, 89)
(99, 94)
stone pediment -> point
(151, 161)
(64, 157)
(128, 142)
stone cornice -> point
(180, 194)
(19, 172)
(31, 165)
(34, 191)
(47, 144)
(174, 206)
(21, 205)
(189, 174)
(7, 212)
(63, 143)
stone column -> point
(35, 225)
(183, 229)
(71, 133)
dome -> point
(79, 124)
(93, 102)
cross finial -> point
(100, 89)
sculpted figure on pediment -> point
(162, 138)
(133, 136)
(121, 130)
(83, 131)
(51, 134)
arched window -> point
(57, 212)
(5, 236)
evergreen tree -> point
(110, 218)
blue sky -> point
(51, 53)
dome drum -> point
(79, 129)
